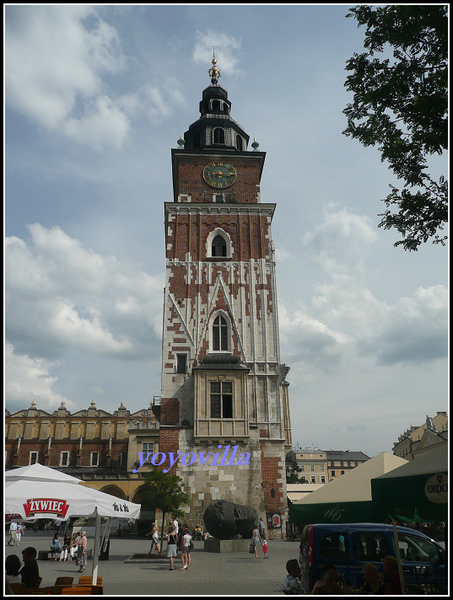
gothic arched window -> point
(220, 334)
(219, 247)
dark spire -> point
(215, 129)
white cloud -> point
(58, 59)
(416, 328)
(227, 49)
(103, 124)
(28, 379)
(340, 243)
(55, 60)
(62, 297)
(344, 318)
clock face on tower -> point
(219, 174)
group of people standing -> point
(178, 539)
(16, 529)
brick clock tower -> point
(224, 399)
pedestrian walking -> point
(12, 533)
(154, 533)
(261, 528)
(186, 547)
(256, 539)
(172, 540)
(19, 532)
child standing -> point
(265, 548)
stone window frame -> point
(218, 231)
(226, 407)
(228, 338)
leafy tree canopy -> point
(163, 491)
(400, 106)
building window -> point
(221, 399)
(181, 363)
(219, 198)
(323, 479)
(219, 247)
(312, 468)
(332, 473)
(64, 459)
(322, 468)
(302, 468)
(219, 136)
(218, 242)
(313, 478)
(147, 446)
(123, 459)
(33, 457)
(220, 334)
(94, 459)
(239, 144)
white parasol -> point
(39, 492)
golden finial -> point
(214, 71)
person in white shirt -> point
(13, 533)
(185, 550)
(176, 525)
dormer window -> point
(216, 106)
(219, 136)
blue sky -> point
(95, 98)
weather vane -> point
(214, 71)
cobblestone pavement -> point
(210, 574)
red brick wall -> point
(191, 182)
(169, 442)
(169, 411)
(271, 472)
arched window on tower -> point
(219, 247)
(220, 334)
(219, 136)
(239, 145)
(216, 106)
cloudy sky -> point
(96, 97)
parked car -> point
(351, 545)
